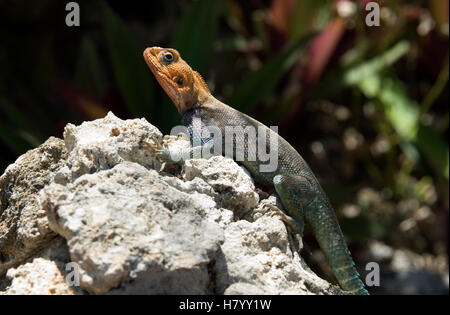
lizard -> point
(296, 185)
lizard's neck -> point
(202, 95)
(203, 108)
(202, 98)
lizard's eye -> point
(179, 81)
(167, 57)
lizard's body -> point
(295, 183)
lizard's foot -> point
(157, 149)
(152, 145)
(289, 221)
(293, 227)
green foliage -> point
(196, 33)
(13, 139)
(304, 14)
(261, 82)
(403, 114)
(354, 74)
(400, 111)
(131, 73)
(89, 76)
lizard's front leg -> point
(172, 151)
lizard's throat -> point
(171, 92)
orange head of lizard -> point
(184, 86)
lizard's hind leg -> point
(293, 201)
(301, 199)
(295, 192)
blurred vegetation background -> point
(367, 107)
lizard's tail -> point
(326, 229)
(349, 279)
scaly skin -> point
(295, 183)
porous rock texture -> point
(97, 213)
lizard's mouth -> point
(162, 76)
(152, 61)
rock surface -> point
(96, 203)
(23, 223)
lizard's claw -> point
(293, 228)
(160, 151)
(152, 144)
(180, 136)
(289, 221)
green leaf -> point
(27, 132)
(434, 147)
(404, 115)
(262, 81)
(304, 14)
(436, 89)
(401, 112)
(10, 137)
(354, 74)
(13, 114)
(131, 72)
(196, 33)
(373, 66)
(89, 76)
(398, 108)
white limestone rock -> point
(97, 197)
(102, 143)
(23, 224)
(39, 277)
